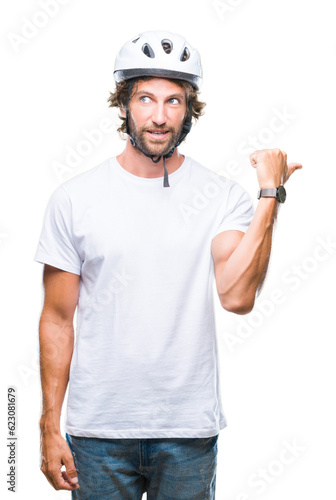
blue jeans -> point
(124, 469)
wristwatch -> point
(279, 193)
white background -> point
(260, 58)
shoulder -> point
(214, 180)
(83, 182)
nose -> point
(159, 114)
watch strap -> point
(268, 192)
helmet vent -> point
(148, 51)
(185, 54)
(167, 45)
(135, 39)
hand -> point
(272, 168)
(56, 453)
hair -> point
(119, 97)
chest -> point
(142, 228)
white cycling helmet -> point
(158, 53)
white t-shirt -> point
(145, 361)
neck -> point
(135, 162)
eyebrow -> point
(150, 94)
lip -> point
(158, 135)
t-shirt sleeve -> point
(56, 246)
(238, 211)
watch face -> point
(281, 194)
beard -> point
(143, 143)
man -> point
(136, 243)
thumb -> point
(292, 167)
(71, 472)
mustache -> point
(159, 127)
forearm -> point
(245, 270)
(56, 347)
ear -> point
(123, 112)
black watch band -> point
(279, 193)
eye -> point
(173, 100)
(144, 98)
